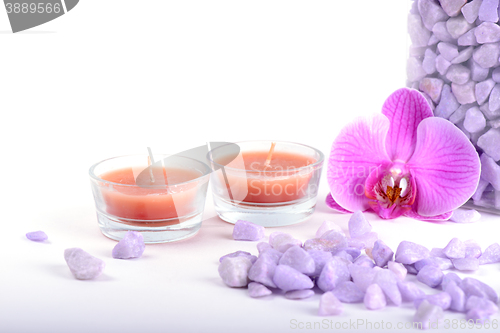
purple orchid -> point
(402, 162)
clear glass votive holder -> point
(163, 201)
(282, 193)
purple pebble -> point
(442, 299)
(466, 264)
(281, 241)
(287, 278)
(130, 246)
(474, 287)
(457, 297)
(348, 292)
(338, 239)
(358, 225)
(343, 254)
(411, 269)
(334, 272)
(252, 258)
(272, 255)
(491, 255)
(437, 252)
(262, 246)
(450, 277)
(329, 305)
(263, 271)
(442, 263)
(299, 259)
(37, 236)
(374, 298)
(455, 249)
(256, 289)
(388, 281)
(362, 276)
(398, 269)
(299, 294)
(472, 249)
(409, 252)
(320, 259)
(480, 303)
(234, 271)
(410, 291)
(381, 253)
(321, 245)
(430, 275)
(427, 315)
(368, 239)
(365, 261)
(82, 265)
(248, 231)
(352, 251)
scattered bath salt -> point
(37, 236)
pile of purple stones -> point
(334, 264)
(454, 61)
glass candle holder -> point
(280, 192)
(164, 200)
(454, 62)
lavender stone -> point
(381, 253)
(465, 216)
(368, 239)
(364, 261)
(448, 51)
(431, 13)
(487, 55)
(333, 273)
(324, 244)
(437, 252)
(327, 226)
(130, 246)
(464, 93)
(428, 315)
(430, 275)
(239, 254)
(419, 35)
(474, 120)
(256, 289)
(483, 90)
(247, 231)
(82, 265)
(339, 240)
(286, 278)
(362, 276)
(459, 114)
(348, 292)
(455, 249)
(410, 291)
(491, 255)
(468, 39)
(450, 277)
(457, 296)
(452, 7)
(262, 246)
(431, 87)
(495, 98)
(475, 287)
(398, 269)
(480, 303)
(409, 252)
(234, 271)
(37, 236)
(488, 11)
(441, 32)
(388, 282)
(490, 171)
(411, 269)
(463, 55)
(358, 224)
(441, 263)
(429, 63)
(477, 316)
(488, 142)
(414, 70)
(299, 294)
(458, 74)
(352, 251)
(477, 72)
(466, 264)
(471, 10)
(299, 259)
(263, 271)
(320, 259)
(442, 299)
(487, 32)
(457, 26)
(344, 255)
(448, 103)
(472, 249)
(329, 305)
(374, 298)
(281, 241)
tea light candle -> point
(163, 201)
(270, 184)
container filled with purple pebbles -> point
(454, 60)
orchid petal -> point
(357, 150)
(405, 108)
(445, 166)
(330, 202)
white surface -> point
(112, 77)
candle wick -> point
(269, 155)
(150, 162)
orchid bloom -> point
(402, 162)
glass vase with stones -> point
(454, 61)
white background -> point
(113, 77)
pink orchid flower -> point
(402, 162)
